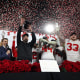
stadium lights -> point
(49, 28)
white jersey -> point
(47, 54)
(34, 56)
(72, 49)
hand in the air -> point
(22, 21)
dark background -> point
(40, 76)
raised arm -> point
(52, 42)
(19, 35)
(33, 37)
(19, 31)
(13, 48)
(43, 40)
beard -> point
(25, 41)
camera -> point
(26, 24)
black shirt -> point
(25, 49)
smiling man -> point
(72, 48)
(5, 51)
(25, 48)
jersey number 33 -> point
(73, 47)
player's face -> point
(73, 37)
(25, 39)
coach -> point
(25, 48)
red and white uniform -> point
(34, 56)
(47, 54)
(48, 51)
(72, 49)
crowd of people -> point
(65, 12)
(44, 50)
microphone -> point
(7, 47)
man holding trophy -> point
(25, 48)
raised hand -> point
(14, 37)
(22, 21)
(8, 52)
(30, 28)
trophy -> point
(26, 24)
